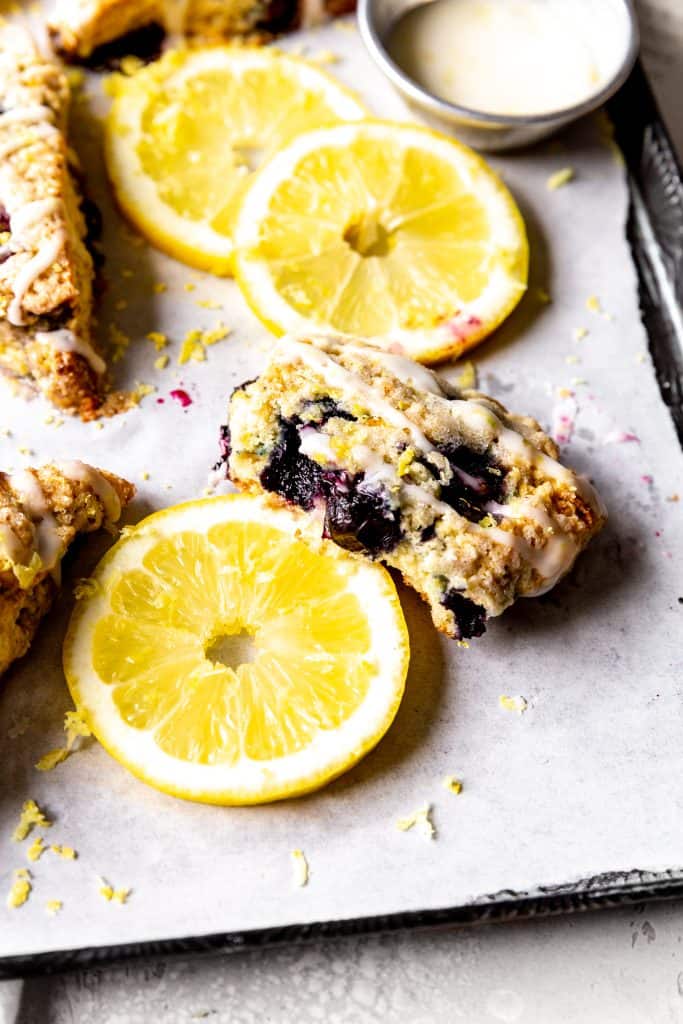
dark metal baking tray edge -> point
(655, 233)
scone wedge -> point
(465, 499)
(42, 511)
(46, 270)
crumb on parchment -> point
(518, 703)
(452, 784)
(300, 867)
(53, 907)
(420, 820)
(31, 815)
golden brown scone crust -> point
(77, 509)
(79, 27)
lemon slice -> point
(184, 134)
(387, 231)
(225, 653)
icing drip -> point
(67, 341)
(556, 557)
(47, 540)
(25, 220)
(29, 273)
(346, 381)
(77, 470)
(406, 370)
(29, 113)
(37, 131)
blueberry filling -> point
(144, 43)
(324, 409)
(356, 516)
(476, 480)
(5, 250)
(470, 618)
(56, 319)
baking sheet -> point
(584, 781)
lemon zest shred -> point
(36, 849)
(65, 852)
(86, 588)
(20, 889)
(420, 820)
(158, 339)
(31, 815)
(467, 377)
(53, 906)
(518, 704)
(560, 178)
(50, 760)
(300, 867)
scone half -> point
(466, 500)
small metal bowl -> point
(484, 131)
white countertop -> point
(617, 967)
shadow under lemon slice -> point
(185, 133)
(227, 654)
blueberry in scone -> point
(46, 270)
(41, 512)
(465, 499)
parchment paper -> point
(585, 781)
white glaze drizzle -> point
(26, 219)
(348, 381)
(29, 273)
(37, 131)
(67, 341)
(556, 557)
(77, 470)
(406, 370)
(29, 112)
(47, 542)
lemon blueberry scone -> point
(81, 27)
(46, 270)
(41, 512)
(465, 499)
